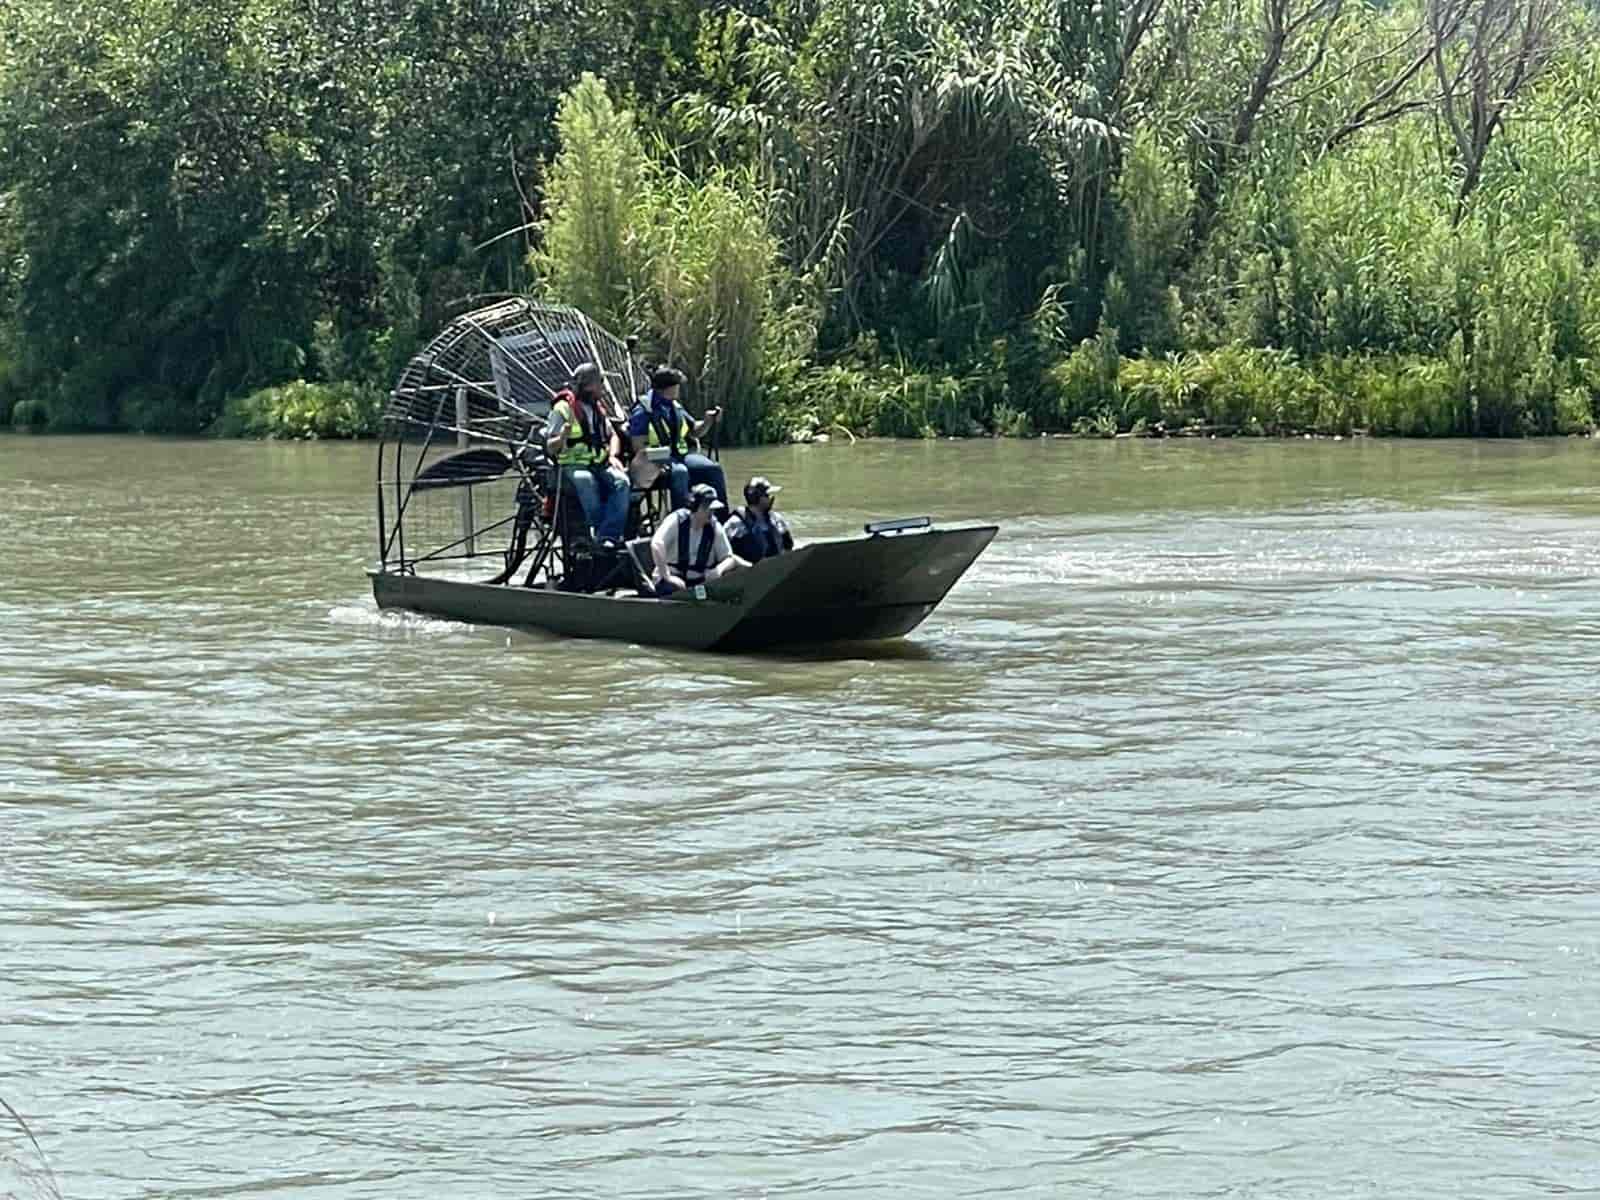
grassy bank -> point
(1092, 392)
(1235, 391)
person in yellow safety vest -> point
(580, 436)
(657, 419)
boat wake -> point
(898, 650)
(1258, 556)
(395, 621)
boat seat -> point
(588, 568)
(583, 565)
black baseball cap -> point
(760, 486)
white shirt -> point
(665, 542)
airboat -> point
(474, 523)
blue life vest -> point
(758, 540)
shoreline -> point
(1187, 434)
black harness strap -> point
(667, 433)
(702, 557)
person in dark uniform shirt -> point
(756, 531)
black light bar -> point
(898, 526)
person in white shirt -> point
(690, 546)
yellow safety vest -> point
(684, 431)
(578, 452)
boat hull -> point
(861, 589)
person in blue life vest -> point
(657, 419)
(690, 546)
(581, 438)
(755, 531)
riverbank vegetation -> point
(892, 217)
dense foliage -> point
(906, 217)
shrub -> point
(304, 410)
(1087, 381)
(10, 388)
(894, 399)
(1154, 200)
(1258, 391)
(591, 196)
(1160, 390)
(714, 283)
(1102, 424)
(29, 414)
(1404, 396)
(153, 408)
(690, 263)
(1574, 411)
(1012, 422)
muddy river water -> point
(1231, 830)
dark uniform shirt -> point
(754, 537)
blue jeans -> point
(607, 510)
(695, 468)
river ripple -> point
(1230, 831)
